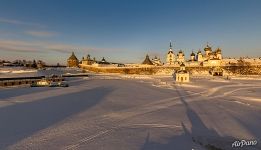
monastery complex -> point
(209, 58)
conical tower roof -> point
(147, 61)
(73, 57)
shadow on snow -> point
(200, 136)
(22, 120)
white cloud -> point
(55, 52)
(47, 46)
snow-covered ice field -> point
(11, 72)
(112, 112)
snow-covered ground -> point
(7, 72)
(118, 112)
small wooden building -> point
(182, 75)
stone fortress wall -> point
(164, 70)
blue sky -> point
(126, 30)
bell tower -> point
(170, 56)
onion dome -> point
(207, 48)
(103, 61)
(180, 53)
(210, 53)
(182, 71)
(218, 50)
(182, 68)
(147, 61)
(88, 57)
(182, 65)
(192, 54)
(170, 52)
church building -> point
(180, 57)
(209, 58)
(212, 58)
(210, 55)
(88, 60)
(170, 56)
(182, 75)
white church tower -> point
(170, 56)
